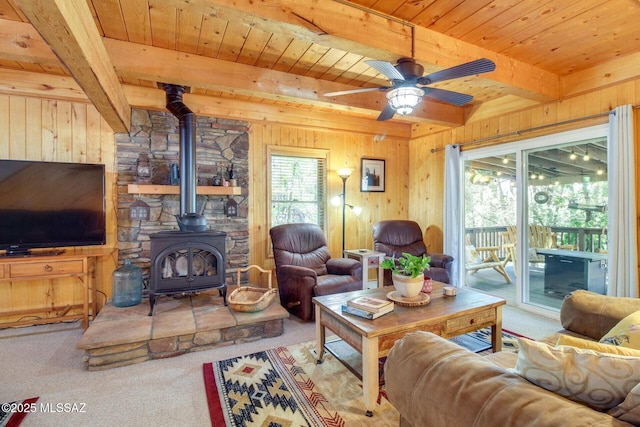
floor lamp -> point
(344, 174)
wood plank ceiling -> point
(283, 55)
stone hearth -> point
(124, 336)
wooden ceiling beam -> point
(351, 28)
(69, 29)
(20, 42)
(24, 83)
(616, 71)
(136, 61)
(155, 99)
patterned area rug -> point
(285, 387)
(12, 413)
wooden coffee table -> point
(445, 316)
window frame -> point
(314, 153)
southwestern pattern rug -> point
(285, 387)
(12, 413)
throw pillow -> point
(626, 333)
(598, 380)
(629, 410)
(596, 346)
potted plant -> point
(407, 273)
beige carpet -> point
(43, 361)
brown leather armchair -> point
(395, 237)
(305, 269)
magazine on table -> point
(370, 304)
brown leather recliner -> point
(305, 269)
(395, 237)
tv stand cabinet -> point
(79, 266)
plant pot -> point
(406, 286)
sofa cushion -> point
(629, 410)
(593, 315)
(596, 346)
(599, 380)
(626, 333)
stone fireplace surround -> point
(219, 142)
(195, 322)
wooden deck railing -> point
(585, 239)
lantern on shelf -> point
(231, 207)
(143, 168)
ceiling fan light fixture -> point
(404, 99)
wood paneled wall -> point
(426, 180)
(345, 150)
(43, 129)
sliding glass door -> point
(535, 217)
(490, 201)
(566, 213)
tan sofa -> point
(433, 382)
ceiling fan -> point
(408, 85)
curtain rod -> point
(520, 132)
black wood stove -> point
(192, 259)
(186, 261)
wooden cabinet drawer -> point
(45, 268)
(470, 320)
(2, 272)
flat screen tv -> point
(50, 205)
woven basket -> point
(250, 299)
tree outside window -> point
(297, 187)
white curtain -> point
(452, 218)
(622, 233)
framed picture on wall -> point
(372, 175)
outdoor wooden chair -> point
(479, 258)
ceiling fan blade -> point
(386, 114)
(385, 68)
(478, 66)
(448, 96)
(348, 92)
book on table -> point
(364, 313)
(372, 305)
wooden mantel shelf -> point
(175, 189)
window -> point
(297, 186)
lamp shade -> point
(403, 99)
(345, 173)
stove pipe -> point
(187, 121)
